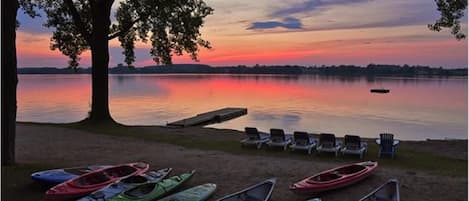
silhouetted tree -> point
(451, 12)
(9, 76)
(172, 27)
(9, 80)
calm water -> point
(415, 109)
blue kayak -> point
(57, 176)
(114, 189)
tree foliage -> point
(451, 12)
(171, 26)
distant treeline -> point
(342, 70)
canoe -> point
(389, 191)
(335, 178)
(153, 190)
(259, 192)
(114, 189)
(198, 193)
(57, 176)
(85, 184)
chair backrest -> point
(302, 138)
(277, 135)
(352, 142)
(327, 140)
(387, 141)
(252, 133)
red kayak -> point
(334, 178)
(89, 182)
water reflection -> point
(416, 108)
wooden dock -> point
(215, 116)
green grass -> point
(407, 158)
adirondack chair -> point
(387, 144)
(328, 143)
(354, 145)
(279, 139)
(302, 141)
(255, 137)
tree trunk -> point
(9, 80)
(101, 13)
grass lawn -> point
(407, 157)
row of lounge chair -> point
(327, 142)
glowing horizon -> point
(293, 32)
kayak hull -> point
(114, 189)
(153, 190)
(57, 176)
(334, 178)
(259, 192)
(389, 191)
(197, 193)
(85, 184)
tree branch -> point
(77, 20)
(124, 30)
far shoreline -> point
(371, 70)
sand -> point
(69, 147)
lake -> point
(415, 109)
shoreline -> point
(444, 139)
(218, 158)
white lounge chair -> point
(303, 141)
(255, 137)
(328, 143)
(279, 139)
(354, 145)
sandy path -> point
(62, 146)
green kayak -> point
(198, 193)
(153, 190)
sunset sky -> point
(303, 32)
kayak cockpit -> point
(141, 190)
(337, 174)
(352, 169)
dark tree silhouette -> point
(451, 12)
(9, 80)
(9, 75)
(172, 27)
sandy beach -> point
(62, 147)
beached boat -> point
(334, 178)
(153, 190)
(83, 185)
(389, 191)
(383, 91)
(259, 192)
(197, 193)
(114, 189)
(57, 176)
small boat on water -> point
(83, 185)
(335, 178)
(114, 189)
(57, 176)
(259, 192)
(197, 193)
(389, 191)
(153, 190)
(382, 91)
